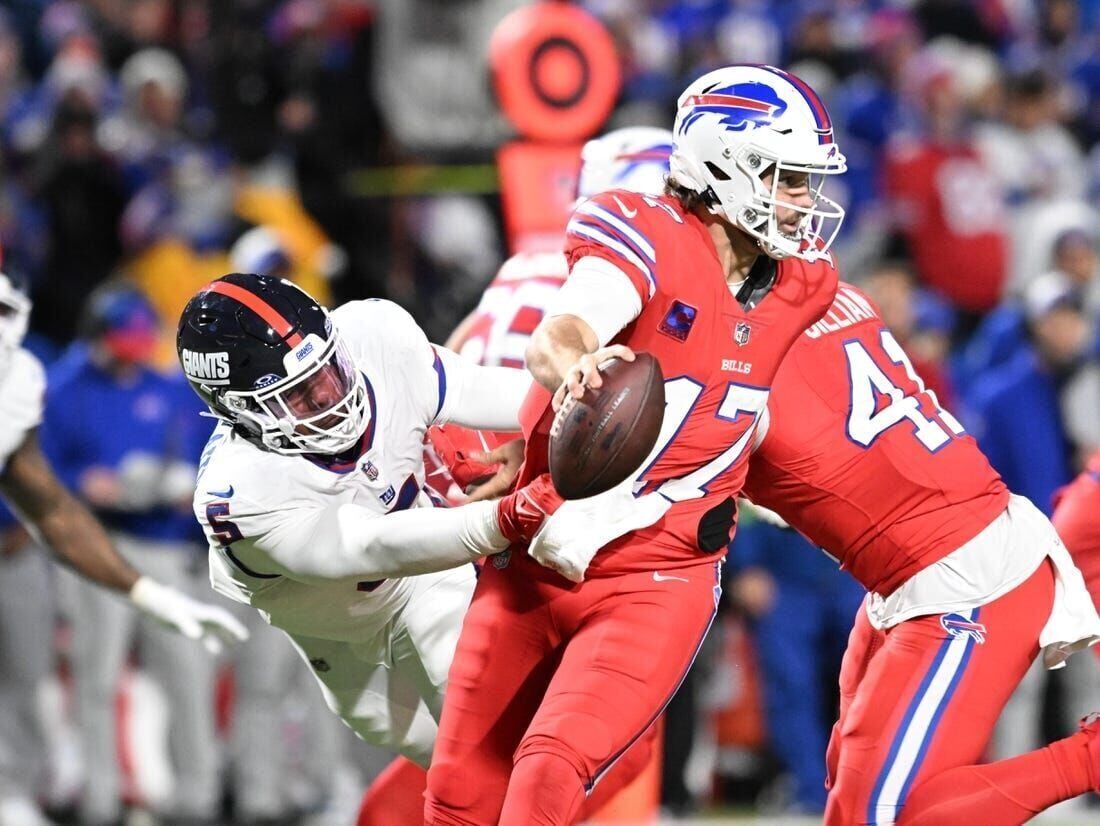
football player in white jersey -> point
(61, 523)
(323, 421)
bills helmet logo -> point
(741, 106)
(741, 333)
(960, 627)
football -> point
(600, 439)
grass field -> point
(1073, 813)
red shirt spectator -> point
(950, 210)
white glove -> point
(196, 620)
(573, 534)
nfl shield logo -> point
(741, 333)
(370, 470)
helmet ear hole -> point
(717, 171)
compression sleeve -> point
(484, 398)
(349, 541)
(600, 294)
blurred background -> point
(149, 146)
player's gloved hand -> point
(196, 620)
(521, 514)
(586, 372)
(462, 450)
(580, 527)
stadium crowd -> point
(149, 146)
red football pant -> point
(918, 705)
(550, 685)
(396, 797)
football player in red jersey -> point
(1077, 520)
(968, 583)
(552, 681)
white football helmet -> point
(15, 312)
(635, 158)
(737, 125)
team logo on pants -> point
(960, 627)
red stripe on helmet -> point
(261, 308)
(729, 100)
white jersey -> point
(256, 505)
(511, 308)
(22, 389)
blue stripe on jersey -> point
(207, 452)
(621, 229)
(592, 232)
(407, 496)
(442, 376)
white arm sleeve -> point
(348, 541)
(481, 397)
(600, 294)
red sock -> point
(544, 790)
(396, 797)
(1006, 792)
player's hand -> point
(509, 457)
(212, 625)
(574, 534)
(586, 372)
(522, 513)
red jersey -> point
(860, 458)
(951, 210)
(1077, 520)
(511, 308)
(718, 360)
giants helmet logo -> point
(208, 368)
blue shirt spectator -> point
(122, 435)
(1015, 416)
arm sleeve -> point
(338, 541)
(600, 294)
(348, 541)
(484, 398)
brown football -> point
(600, 439)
